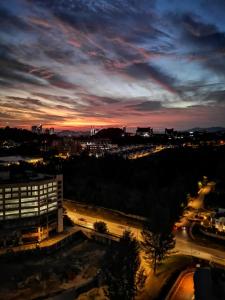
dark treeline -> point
(157, 185)
(17, 135)
(26, 142)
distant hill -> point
(209, 129)
(69, 133)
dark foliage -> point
(121, 271)
(156, 245)
(100, 227)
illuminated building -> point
(30, 208)
(144, 132)
(37, 129)
(94, 131)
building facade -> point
(144, 131)
(30, 210)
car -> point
(82, 219)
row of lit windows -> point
(29, 188)
(26, 200)
(49, 191)
(33, 210)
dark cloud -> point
(9, 21)
(146, 106)
(216, 96)
(202, 35)
(66, 55)
(145, 71)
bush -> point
(101, 227)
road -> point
(184, 289)
(184, 244)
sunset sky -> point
(74, 63)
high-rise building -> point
(37, 129)
(30, 207)
(94, 131)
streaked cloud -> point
(78, 63)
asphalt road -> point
(184, 244)
(185, 288)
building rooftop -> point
(7, 176)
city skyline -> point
(77, 64)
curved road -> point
(184, 289)
(184, 244)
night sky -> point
(76, 63)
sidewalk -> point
(44, 244)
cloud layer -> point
(112, 62)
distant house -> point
(144, 131)
(169, 131)
(220, 223)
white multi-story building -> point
(30, 209)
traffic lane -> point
(114, 228)
(190, 248)
(183, 244)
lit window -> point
(54, 204)
(7, 190)
(23, 188)
(29, 199)
(35, 193)
(52, 208)
(43, 207)
(15, 195)
(15, 189)
(1, 196)
(12, 205)
(11, 201)
(28, 215)
(0, 190)
(52, 194)
(33, 209)
(11, 212)
(50, 184)
(34, 188)
(8, 195)
(27, 204)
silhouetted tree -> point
(122, 272)
(156, 246)
(101, 227)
